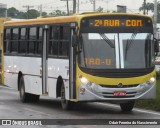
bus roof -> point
(63, 19)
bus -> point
(87, 57)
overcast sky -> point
(85, 5)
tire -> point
(66, 104)
(24, 97)
(128, 106)
(34, 98)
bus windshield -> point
(116, 50)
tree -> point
(31, 14)
(44, 14)
(148, 7)
(100, 9)
(12, 12)
(2, 12)
(57, 13)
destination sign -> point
(116, 23)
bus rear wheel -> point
(66, 104)
(127, 106)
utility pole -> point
(144, 10)
(94, 5)
(155, 18)
(28, 8)
(67, 8)
(6, 14)
(78, 6)
(74, 6)
(40, 10)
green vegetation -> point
(153, 104)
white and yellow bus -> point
(84, 57)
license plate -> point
(119, 93)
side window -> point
(7, 37)
(32, 40)
(53, 40)
(39, 41)
(23, 41)
(14, 40)
(64, 41)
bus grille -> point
(115, 86)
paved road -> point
(47, 108)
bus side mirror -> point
(156, 46)
(74, 41)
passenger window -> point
(23, 34)
(14, 40)
(53, 48)
(15, 34)
(22, 41)
(23, 46)
(7, 36)
(64, 41)
(33, 33)
(14, 46)
(32, 40)
(54, 32)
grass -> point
(153, 104)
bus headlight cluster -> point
(85, 81)
(151, 80)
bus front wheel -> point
(66, 104)
(127, 106)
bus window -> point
(22, 41)
(64, 41)
(53, 41)
(39, 41)
(66, 33)
(7, 37)
(14, 40)
(54, 32)
(32, 40)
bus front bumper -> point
(96, 92)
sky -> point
(85, 5)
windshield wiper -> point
(129, 43)
(105, 38)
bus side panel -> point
(33, 85)
(30, 68)
(52, 87)
(9, 73)
(56, 68)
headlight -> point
(151, 80)
(84, 80)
